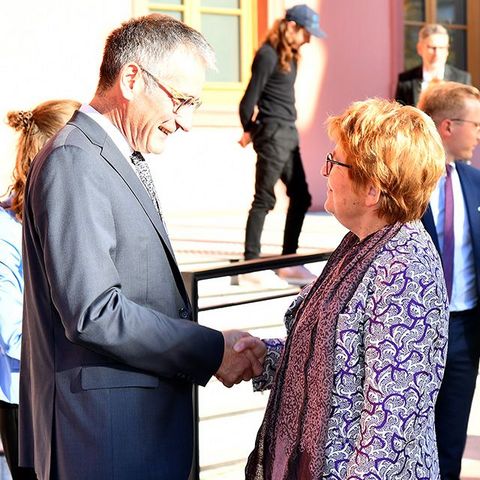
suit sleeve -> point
(72, 213)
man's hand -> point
(244, 364)
(245, 140)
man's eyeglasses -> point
(179, 100)
(477, 124)
(433, 48)
(330, 162)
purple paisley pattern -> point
(390, 352)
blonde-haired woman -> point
(35, 128)
(355, 383)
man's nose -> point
(184, 119)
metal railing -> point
(194, 276)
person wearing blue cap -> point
(268, 115)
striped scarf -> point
(291, 440)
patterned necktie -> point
(448, 233)
(143, 171)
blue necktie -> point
(448, 233)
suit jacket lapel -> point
(471, 196)
(417, 89)
(450, 74)
(114, 157)
(417, 79)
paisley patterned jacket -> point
(390, 351)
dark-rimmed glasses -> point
(179, 100)
(330, 162)
(477, 124)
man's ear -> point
(445, 128)
(130, 79)
(372, 196)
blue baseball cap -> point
(307, 18)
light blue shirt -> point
(464, 296)
(11, 304)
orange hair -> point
(36, 127)
(397, 149)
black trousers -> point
(278, 158)
(452, 409)
(9, 434)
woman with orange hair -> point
(355, 383)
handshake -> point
(242, 358)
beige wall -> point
(50, 49)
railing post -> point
(191, 286)
(191, 279)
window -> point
(230, 26)
(462, 20)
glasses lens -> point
(328, 164)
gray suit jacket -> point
(109, 352)
(409, 83)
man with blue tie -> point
(453, 221)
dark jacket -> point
(410, 83)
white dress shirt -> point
(427, 77)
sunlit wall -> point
(52, 49)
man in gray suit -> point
(433, 46)
(109, 352)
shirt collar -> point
(429, 76)
(112, 131)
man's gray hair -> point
(150, 41)
(430, 29)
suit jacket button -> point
(183, 312)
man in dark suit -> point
(432, 46)
(453, 221)
(109, 352)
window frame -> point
(217, 94)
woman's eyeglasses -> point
(330, 162)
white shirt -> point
(429, 76)
(464, 295)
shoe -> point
(297, 275)
(264, 278)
